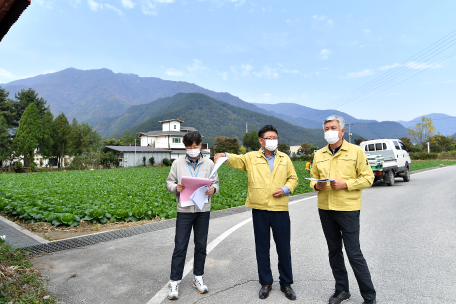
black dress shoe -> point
(370, 301)
(264, 291)
(339, 296)
(289, 293)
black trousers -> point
(199, 221)
(279, 222)
(343, 226)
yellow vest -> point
(348, 164)
(263, 182)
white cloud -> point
(449, 81)
(362, 73)
(324, 53)
(223, 74)
(174, 72)
(328, 22)
(267, 72)
(422, 66)
(46, 3)
(111, 7)
(246, 68)
(366, 31)
(149, 7)
(387, 67)
(128, 3)
(233, 70)
(8, 76)
(94, 6)
(413, 65)
(197, 66)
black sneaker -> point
(369, 301)
(339, 296)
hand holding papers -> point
(217, 165)
(324, 180)
(199, 197)
(191, 185)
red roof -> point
(10, 11)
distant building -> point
(170, 138)
(130, 156)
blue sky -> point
(308, 52)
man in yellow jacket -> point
(339, 205)
(271, 177)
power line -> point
(436, 48)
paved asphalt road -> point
(408, 237)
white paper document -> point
(324, 180)
(199, 197)
(217, 165)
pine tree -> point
(46, 143)
(5, 140)
(61, 135)
(29, 133)
(23, 99)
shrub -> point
(172, 159)
(415, 149)
(152, 161)
(144, 161)
(18, 168)
(423, 156)
(166, 162)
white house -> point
(170, 138)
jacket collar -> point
(343, 147)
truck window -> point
(384, 147)
(371, 147)
(403, 146)
(365, 148)
(378, 146)
(396, 145)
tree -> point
(250, 140)
(152, 161)
(422, 132)
(129, 138)
(358, 141)
(5, 139)
(61, 135)
(305, 148)
(441, 143)
(283, 147)
(225, 144)
(47, 142)
(23, 99)
(110, 142)
(6, 108)
(29, 133)
(407, 142)
(242, 150)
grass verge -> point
(424, 164)
(19, 281)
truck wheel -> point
(390, 178)
(406, 176)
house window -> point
(176, 140)
(175, 127)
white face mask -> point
(271, 144)
(332, 137)
(193, 152)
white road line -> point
(427, 171)
(163, 293)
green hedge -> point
(429, 156)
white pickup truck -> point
(388, 159)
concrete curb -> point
(24, 231)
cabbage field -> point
(66, 198)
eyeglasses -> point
(193, 147)
(271, 138)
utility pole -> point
(135, 153)
(349, 133)
(246, 129)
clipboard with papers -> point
(195, 189)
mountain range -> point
(211, 117)
(112, 102)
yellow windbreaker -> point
(350, 165)
(263, 182)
